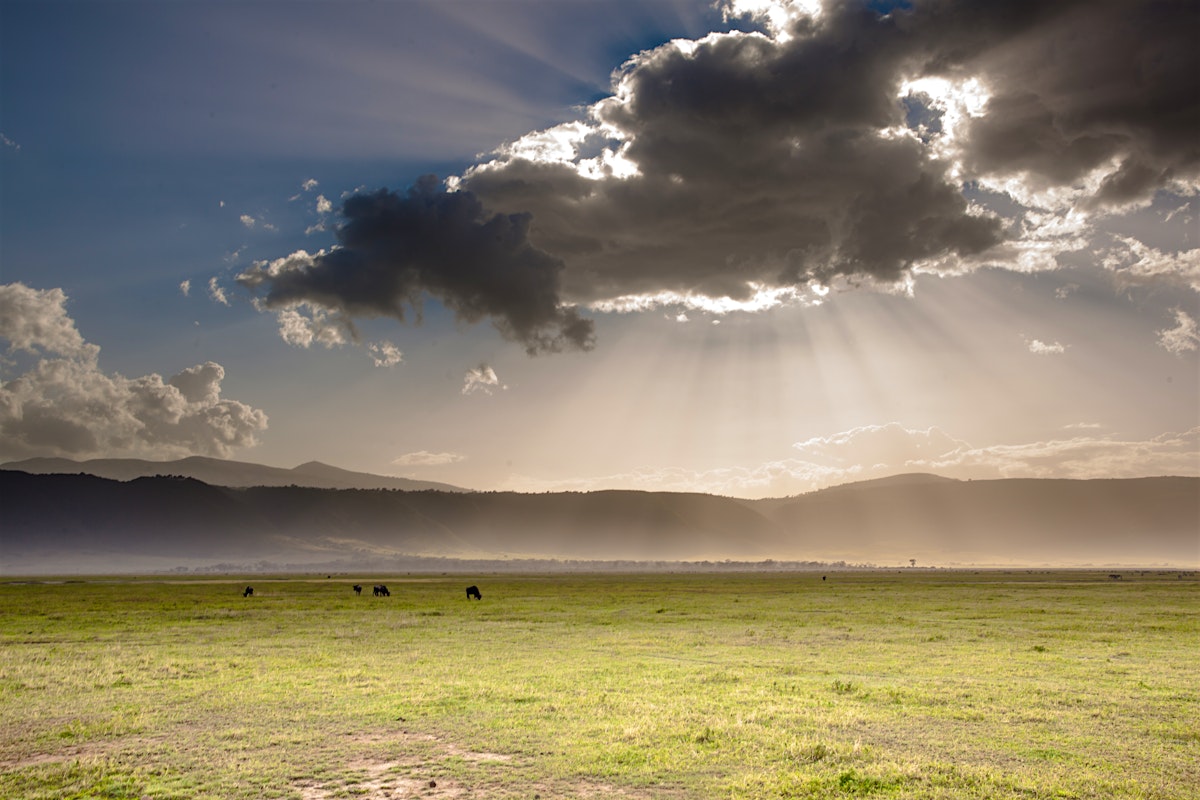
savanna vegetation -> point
(904, 684)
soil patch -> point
(414, 773)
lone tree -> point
(912, 562)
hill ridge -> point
(224, 472)
(57, 522)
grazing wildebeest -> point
(249, 591)
(382, 591)
(473, 591)
(357, 589)
(822, 577)
(1114, 576)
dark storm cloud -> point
(815, 153)
(394, 249)
(799, 218)
(1076, 86)
(760, 162)
(773, 161)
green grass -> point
(904, 684)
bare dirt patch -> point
(393, 780)
(414, 771)
(37, 759)
(410, 772)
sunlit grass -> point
(905, 684)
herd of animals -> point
(381, 590)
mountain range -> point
(220, 472)
(73, 522)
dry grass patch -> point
(420, 768)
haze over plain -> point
(753, 249)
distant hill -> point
(220, 472)
(81, 523)
(64, 523)
(909, 479)
(938, 520)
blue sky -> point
(752, 249)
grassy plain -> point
(907, 684)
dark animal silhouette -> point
(822, 577)
(249, 591)
(473, 591)
(382, 591)
(357, 589)
(1115, 576)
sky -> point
(751, 248)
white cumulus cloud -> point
(66, 405)
(1183, 337)
(1135, 263)
(216, 292)
(36, 320)
(891, 445)
(1040, 348)
(481, 379)
(303, 325)
(385, 354)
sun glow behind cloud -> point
(761, 298)
(779, 16)
(944, 107)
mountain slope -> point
(57, 523)
(220, 472)
(63, 519)
(997, 521)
